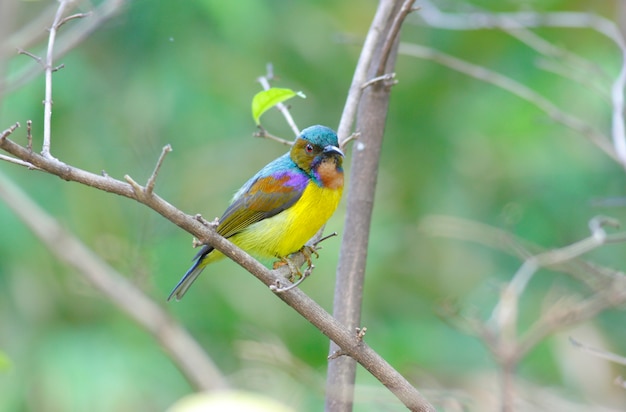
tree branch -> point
(377, 57)
(70, 38)
(481, 73)
(295, 298)
(515, 21)
(186, 353)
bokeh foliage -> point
(184, 73)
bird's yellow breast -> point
(289, 230)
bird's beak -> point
(333, 149)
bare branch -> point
(370, 107)
(32, 56)
(267, 135)
(16, 161)
(388, 77)
(70, 38)
(184, 350)
(514, 22)
(561, 316)
(48, 70)
(29, 134)
(593, 275)
(353, 136)
(152, 179)
(505, 313)
(481, 73)
(295, 298)
(600, 353)
(73, 17)
(6, 133)
(392, 35)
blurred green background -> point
(184, 73)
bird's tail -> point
(194, 271)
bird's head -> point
(316, 151)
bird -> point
(282, 206)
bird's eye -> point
(309, 148)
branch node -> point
(360, 333)
(353, 136)
(388, 79)
(205, 222)
(337, 354)
(597, 224)
(139, 191)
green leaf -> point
(265, 100)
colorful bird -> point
(281, 207)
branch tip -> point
(406, 9)
(315, 245)
(72, 17)
(8, 131)
(29, 135)
(353, 136)
(32, 56)
(136, 186)
(152, 179)
(205, 222)
(264, 134)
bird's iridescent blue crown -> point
(320, 135)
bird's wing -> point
(265, 196)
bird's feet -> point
(294, 270)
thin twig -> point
(47, 111)
(16, 161)
(382, 78)
(70, 39)
(265, 83)
(353, 136)
(7, 132)
(518, 20)
(392, 35)
(562, 316)
(186, 353)
(32, 56)
(296, 299)
(600, 353)
(267, 135)
(72, 17)
(29, 134)
(152, 180)
(481, 73)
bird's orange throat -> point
(330, 175)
